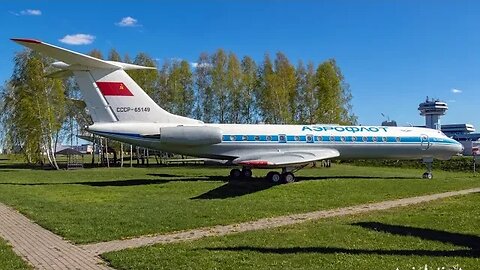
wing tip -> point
(26, 40)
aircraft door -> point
(424, 142)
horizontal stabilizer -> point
(74, 59)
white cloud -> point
(128, 22)
(456, 91)
(32, 12)
(78, 39)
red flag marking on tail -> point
(114, 89)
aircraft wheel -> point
(274, 177)
(427, 175)
(235, 174)
(247, 173)
(288, 177)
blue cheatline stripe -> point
(328, 139)
(304, 138)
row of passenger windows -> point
(310, 138)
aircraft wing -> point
(294, 157)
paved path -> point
(265, 223)
(42, 248)
(45, 250)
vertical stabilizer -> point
(110, 93)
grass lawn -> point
(102, 204)
(9, 260)
(444, 233)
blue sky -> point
(392, 53)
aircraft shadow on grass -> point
(229, 189)
(472, 242)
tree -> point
(278, 90)
(96, 53)
(249, 89)
(220, 90)
(266, 77)
(113, 55)
(180, 88)
(146, 79)
(306, 98)
(333, 95)
(34, 108)
(163, 97)
(284, 89)
(205, 106)
(234, 90)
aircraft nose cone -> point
(458, 147)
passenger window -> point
(332, 138)
(232, 138)
(384, 139)
(309, 138)
(269, 138)
(244, 137)
(319, 138)
(282, 138)
(365, 139)
(257, 138)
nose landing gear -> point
(428, 174)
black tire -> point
(274, 177)
(427, 175)
(247, 173)
(288, 177)
(235, 174)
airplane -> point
(122, 111)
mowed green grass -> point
(9, 260)
(94, 205)
(443, 234)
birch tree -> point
(34, 108)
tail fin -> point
(110, 94)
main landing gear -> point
(428, 174)
(286, 176)
(245, 173)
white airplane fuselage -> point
(352, 142)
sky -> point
(393, 54)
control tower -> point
(432, 110)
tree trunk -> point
(93, 150)
(106, 152)
(131, 155)
(121, 155)
(54, 158)
(148, 157)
